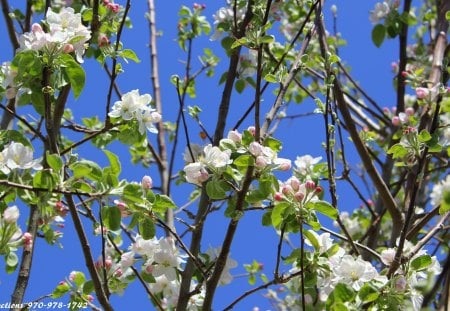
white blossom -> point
(215, 157)
(305, 164)
(11, 214)
(225, 277)
(324, 241)
(247, 64)
(18, 156)
(381, 11)
(437, 194)
(196, 173)
(128, 106)
(65, 28)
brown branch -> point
(10, 25)
(379, 184)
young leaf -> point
(146, 228)
(378, 34)
(75, 74)
(421, 262)
(326, 209)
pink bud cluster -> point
(403, 117)
(114, 7)
(198, 6)
(300, 192)
(27, 241)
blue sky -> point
(370, 66)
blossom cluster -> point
(17, 156)
(214, 160)
(224, 19)
(160, 262)
(66, 34)
(333, 266)
(135, 106)
(11, 235)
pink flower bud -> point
(149, 269)
(255, 148)
(422, 92)
(299, 196)
(90, 298)
(278, 196)
(235, 136)
(396, 121)
(102, 40)
(36, 28)
(405, 74)
(118, 273)
(386, 110)
(72, 275)
(295, 183)
(147, 182)
(409, 111)
(318, 190)
(113, 7)
(27, 237)
(286, 189)
(108, 263)
(260, 162)
(283, 164)
(310, 185)
(68, 48)
(252, 130)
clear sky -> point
(370, 66)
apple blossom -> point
(381, 10)
(17, 156)
(64, 28)
(214, 157)
(11, 214)
(422, 92)
(225, 277)
(437, 194)
(196, 173)
(147, 182)
(305, 164)
(128, 106)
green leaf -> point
(132, 193)
(146, 228)
(54, 161)
(445, 203)
(61, 290)
(341, 293)
(88, 287)
(421, 262)
(312, 239)
(368, 293)
(325, 208)
(277, 213)
(273, 144)
(244, 160)
(240, 85)
(114, 162)
(162, 203)
(424, 136)
(266, 39)
(216, 189)
(239, 42)
(378, 34)
(397, 151)
(111, 217)
(271, 78)
(129, 54)
(447, 15)
(75, 74)
(88, 169)
(44, 179)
